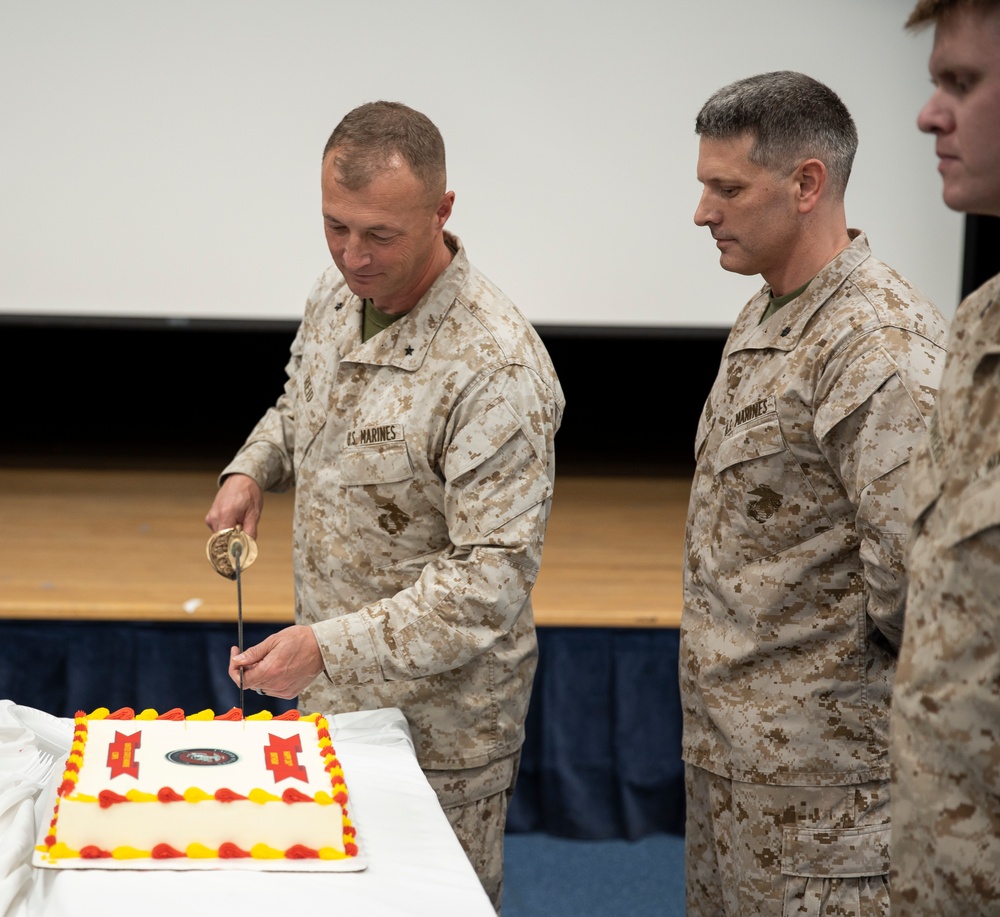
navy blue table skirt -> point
(602, 754)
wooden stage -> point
(130, 545)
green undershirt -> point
(778, 301)
(376, 321)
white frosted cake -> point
(164, 787)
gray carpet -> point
(546, 876)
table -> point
(415, 864)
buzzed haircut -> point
(369, 139)
(928, 11)
(792, 117)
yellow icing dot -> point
(312, 717)
(100, 713)
(262, 796)
(193, 794)
(323, 799)
(263, 852)
(263, 715)
(82, 797)
(148, 714)
(203, 715)
(201, 852)
(324, 742)
(331, 853)
(129, 853)
(138, 796)
(59, 851)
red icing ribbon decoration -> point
(166, 852)
(301, 852)
(287, 715)
(230, 851)
(294, 795)
(175, 713)
(90, 852)
(166, 794)
(108, 798)
(232, 715)
(125, 713)
(224, 795)
(350, 849)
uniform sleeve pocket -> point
(386, 463)
(481, 438)
(829, 853)
(750, 442)
(493, 472)
(975, 510)
(855, 386)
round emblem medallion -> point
(202, 757)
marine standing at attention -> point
(794, 579)
(946, 701)
(417, 427)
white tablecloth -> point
(415, 865)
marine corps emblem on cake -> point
(202, 757)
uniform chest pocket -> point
(750, 442)
(767, 500)
(387, 463)
(976, 509)
(390, 509)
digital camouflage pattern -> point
(794, 582)
(475, 802)
(946, 713)
(423, 468)
(813, 851)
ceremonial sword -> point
(231, 551)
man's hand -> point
(239, 501)
(283, 665)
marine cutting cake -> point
(169, 787)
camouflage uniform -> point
(946, 713)
(423, 468)
(793, 589)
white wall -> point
(162, 159)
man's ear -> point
(810, 178)
(443, 210)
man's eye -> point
(382, 239)
(728, 192)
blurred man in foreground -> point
(946, 706)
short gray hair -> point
(792, 117)
(371, 136)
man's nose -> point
(935, 117)
(704, 213)
(356, 253)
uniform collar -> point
(784, 329)
(405, 343)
